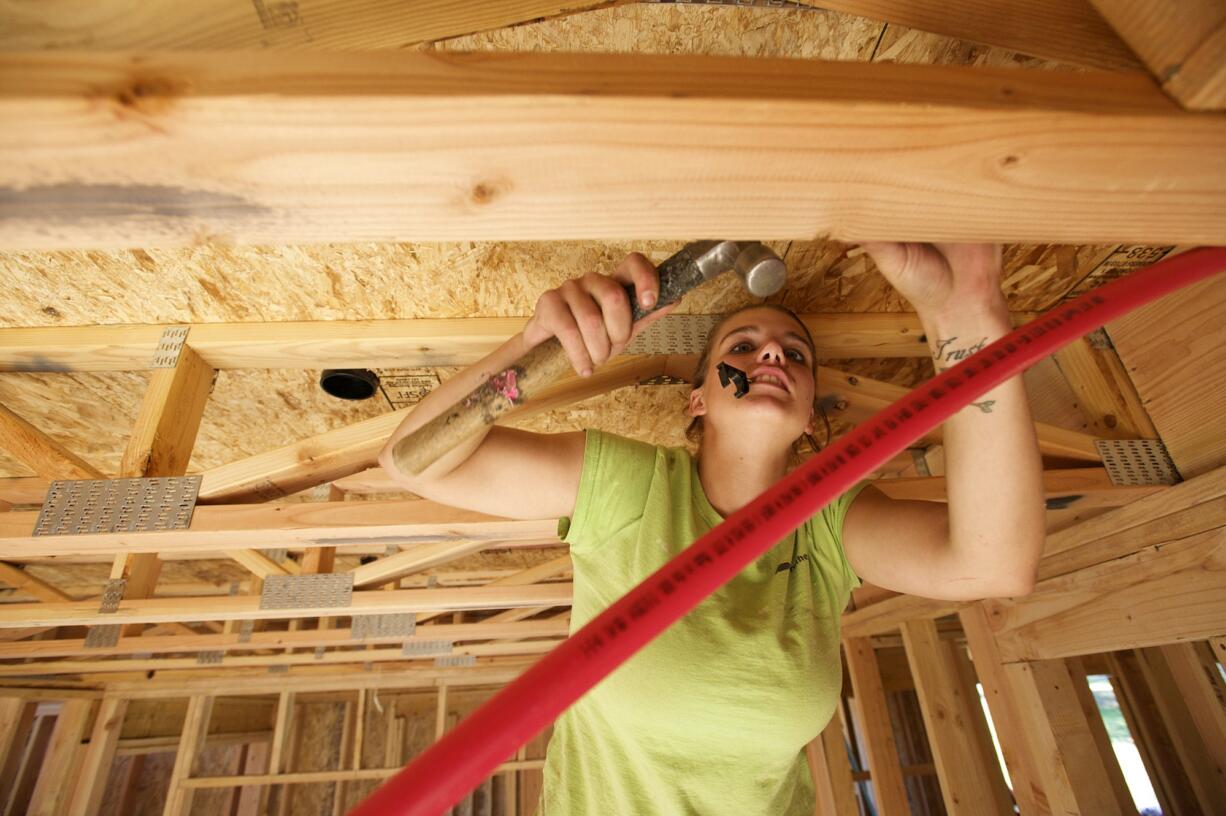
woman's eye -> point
(739, 345)
(796, 355)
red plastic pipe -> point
(445, 773)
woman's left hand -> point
(941, 278)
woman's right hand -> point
(590, 315)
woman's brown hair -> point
(693, 432)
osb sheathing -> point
(252, 411)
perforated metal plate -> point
(170, 346)
(112, 594)
(278, 669)
(319, 652)
(427, 648)
(675, 334)
(244, 631)
(1137, 462)
(395, 625)
(88, 506)
(209, 658)
(455, 660)
(102, 637)
(279, 555)
(326, 591)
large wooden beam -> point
(384, 343)
(300, 639)
(1185, 50)
(238, 25)
(1066, 30)
(267, 526)
(247, 607)
(39, 452)
(162, 150)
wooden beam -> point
(309, 777)
(16, 722)
(24, 581)
(410, 343)
(240, 607)
(1186, 52)
(1092, 487)
(1194, 671)
(1106, 395)
(301, 639)
(966, 774)
(1072, 770)
(1179, 585)
(80, 667)
(1021, 152)
(235, 25)
(262, 526)
(280, 732)
(440, 719)
(878, 735)
(195, 727)
(161, 445)
(1098, 732)
(1065, 30)
(39, 452)
(414, 560)
(63, 759)
(96, 765)
(827, 755)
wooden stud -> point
(1149, 733)
(63, 758)
(16, 723)
(1195, 673)
(827, 755)
(39, 452)
(959, 659)
(23, 580)
(1201, 765)
(29, 767)
(1069, 764)
(878, 734)
(1098, 732)
(965, 773)
(413, 560)
(285, 714)
(96, 766)
(195, 727)
(1105, 393)
(1007, 715)
(1022, 164)
(440, 719)
(315, 777)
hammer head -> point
(761, 271)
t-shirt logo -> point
(788, 566)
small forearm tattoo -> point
(985, 406)
(946, 354)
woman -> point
(712, 717)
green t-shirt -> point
(711, 717)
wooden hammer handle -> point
(540, 367)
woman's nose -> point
(772, 350)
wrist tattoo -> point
(985, 406)
(945, 354)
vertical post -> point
(964, 773)
(27, 772)
(1007, 714)
(836, 790)
(965, 670)
(1073, 772)
(878, 734)
(99, 755)
(195, 728)
(280, 737)
(1194, 670)
(63, 757)
(440, 719)
(16, 725)
(1094, 718)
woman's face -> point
(770, 347)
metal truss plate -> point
(394, 625)
(1137, 462)
(427, 648)
(325, 591)
(209, 658)
(282, 669)
(279, 554)
(170, 346)
(451, 661)
(675, 334)
(244, 631)
(91, 506)
(102, 637)
(112, 594)
(319, 652)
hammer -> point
(761, 271)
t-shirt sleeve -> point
(613, 488)
(832, 516)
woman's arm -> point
(988, 540)
(515, 473)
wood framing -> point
(319, 524)
(39, 452)
(90, 786)
(1066, 30)
(179, 797)
(235, 25)
(869, 699)
(63, 759)
(1021, 153)
(1185, 51)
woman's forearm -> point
(993, 469)
(441, 399)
